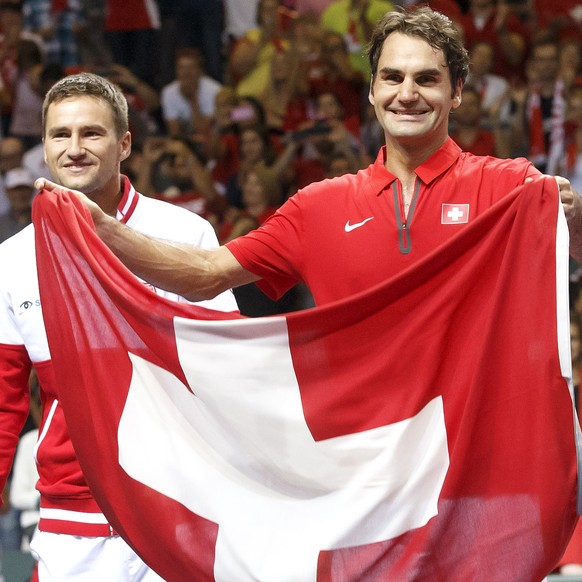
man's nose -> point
(408, 90)
(75, 148)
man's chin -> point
(80, 185)
(410, 136)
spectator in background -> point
(449, 8)
(254, 146)
(573, 137)
(371, 132)
(538, 125)
(493, 89)
(198, 24)
(10, 27)
(188, 102)
(492, 22)
(355, 20)
(466, 127)
(261, 196)
(142, 100)
(310, 150)
(25, 120)
(250, 111)
(178, 175)
(131, 85)
(239, 16)
(11, 151)
(142, 167)
(59, 23)
(132, 34)
(562, 18)
(250, 58)
(329, 108)
(19, 186)
(337, 75)
(233, 114)
(93, 49)
(221, 139)
(33, 158)
(10, 30)
(306, 35)
(23, 493)
(314, 6)
(284, 97)
(337, 165)
(570, 60)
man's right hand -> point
(44, 184)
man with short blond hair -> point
(86, 137)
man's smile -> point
(407, 112)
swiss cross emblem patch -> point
(455, 214)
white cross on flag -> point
(420, 431)
(455, 214)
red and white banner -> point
(423, 430)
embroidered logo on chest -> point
(455, 214)
(349, 227)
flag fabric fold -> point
(423, 430)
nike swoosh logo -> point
(349, 227)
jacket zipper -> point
(403, 222)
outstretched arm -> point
(194, 273)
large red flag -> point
(423, 430)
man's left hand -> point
(572, 203)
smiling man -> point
(346, 235)
(85, 129)
(83, 148)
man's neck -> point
(109, 198)
(402, 159)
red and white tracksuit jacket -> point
(67, 505)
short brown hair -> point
(435, 28)
(88, 84)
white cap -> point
(18, 177)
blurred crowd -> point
(237, 104)
(234, 105)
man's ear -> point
(125, 145)
(458, 95)
(371, 91)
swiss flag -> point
(455, 213)
(423, 430)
